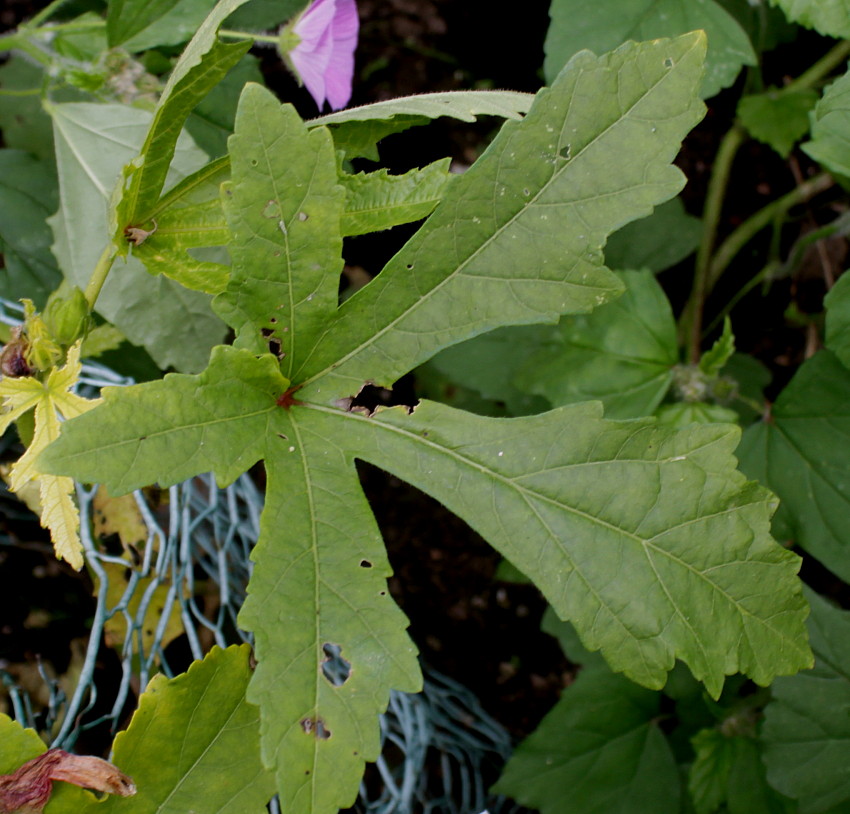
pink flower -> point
(319, 47)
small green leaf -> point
(656, 242)
(708, 777)
(716, 357)
(466, 270)
(799, 453)
(776, 118)
(599, 750)
(806, 732)
(829, 17)
(189, 216)
(93, 142)
(837, 304)
(607, 24)
(830, 123)
(194, 743)
(377, 200)
(622, 354)
(27, 196)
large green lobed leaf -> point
(592, 154)
(647, 538)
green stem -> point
(244, 35)
(16, 42)
(775, 210)
(691, 322)
(98, 277)
(823, 67)
(44, 14)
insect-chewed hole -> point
(365, 564)
(315, 726)
(335, 668)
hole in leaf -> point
(371, 397)
(565, 151)
(668, 63)
(315, 726)
(365, 564)
(335, 668)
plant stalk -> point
(690, 326)
(823, 67)
(755, 223)
(244, 35)
(44, 14)
(98, 277)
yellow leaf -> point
(50, 399)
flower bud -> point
(67, 319)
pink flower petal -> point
(324, 57)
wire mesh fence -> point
(177, 569)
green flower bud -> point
(67, 319)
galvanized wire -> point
(195, 563)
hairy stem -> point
(823, 67)
(775, 210)
(690, 325)
(98, 277)
(244, 35)
(45, 14)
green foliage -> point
(717, 356)
(656, 242)
(636, 527)
(829, 17)
(93, 142)
(622, 354)
(776, 118)
(798, 453)
(194, 738)
(598, 750)
(203, 64)
(27, 197)
(550, 492)
(607, 23)
(837, 304)
(830, 122)
(357, 131)
(806, 725)
(378, 201)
